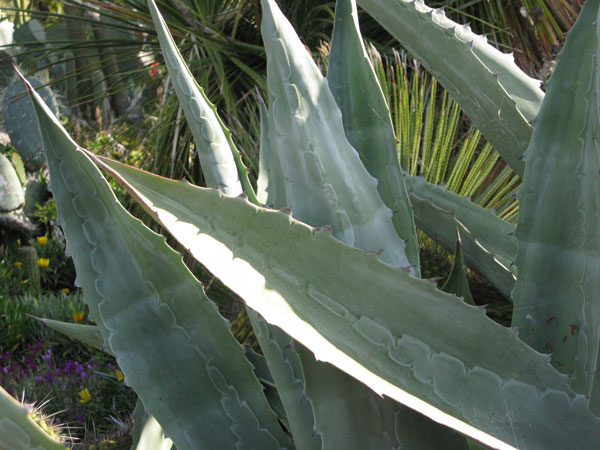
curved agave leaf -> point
(457, 282)
(496, 95)
(147, 432)
(557, 306)
(347, 414)
(276, 345)
(395, 333)
(488, 243)
(221, 161)
(88, 334)
(322, 171)
(18, 431)
(172, 345)
(367, 120)
(284, 366)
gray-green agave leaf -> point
(367, 120)
(497, 96)
(325, 181)
(488, 242)
(395, 333)
(172, 345)
(557, 300)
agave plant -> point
(362, 352)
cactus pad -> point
(21, 124)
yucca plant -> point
(353, 340)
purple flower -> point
(38, 379)
(48, 377)
(80, 418)
(69, 366)
(47, 358)
(5, 357)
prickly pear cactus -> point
(11, 191)
(21, 124)
(30, 38)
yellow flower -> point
(43, 262)
(18, 264)
(85, 396)
(119, 375)
(65, 291)
(78, 316)
(42, 240)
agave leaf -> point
(147, 432)
(88, 334)
(367, 120)
(557, 306)
(172, 345)
(261, 369)
(270, 184)
(488, 243)
(282, 361)
(285, 368)
(497, 96)
(457, 282)
(221, 161)
(322, 171)
(395, 333)
(347, 414)
(264, 155)
(18, 431)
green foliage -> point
(19, 327)
(41, 365)
(353, 308)
(37, 263)
(75, 391)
